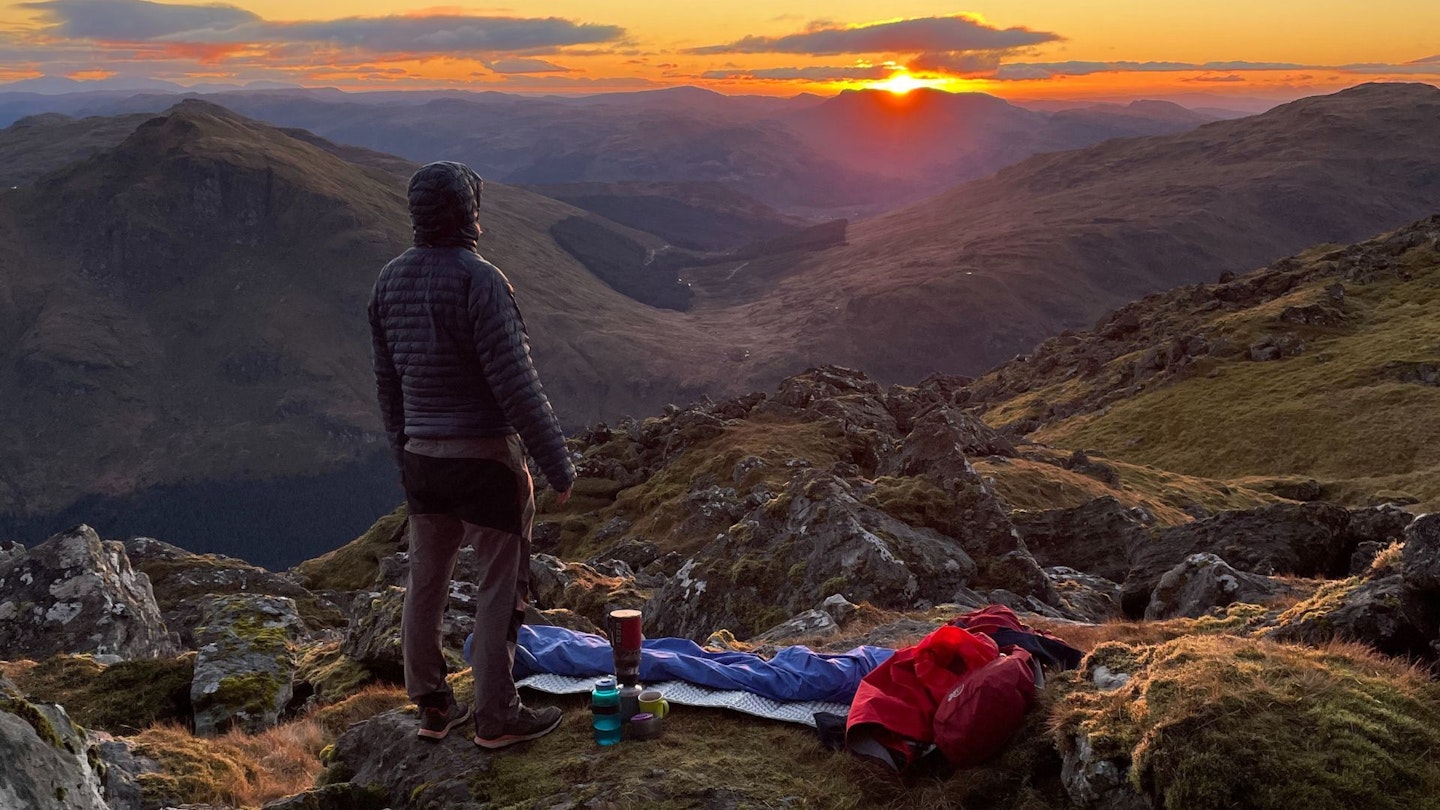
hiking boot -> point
(435, 722)
(529, 724)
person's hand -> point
(561, 498)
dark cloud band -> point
(920, 35)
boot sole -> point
(496, 743)
(427, 734)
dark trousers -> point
(474, 492)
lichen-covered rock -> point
(244, 673)
(1307, 540)
(815, 539)
(1203, 582)
(75, 593)
(121, 765)
(810, 624)
(1095, 782)
(1091, 598)
(1097, 537)
(179, 578)
(45, 761)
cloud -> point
(519, 64)
(1020, 71)
(930, 35)
(134, 20)
(1229, 77)
(957, 62)
(814, 73)
(143, 21)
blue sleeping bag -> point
(795, 673)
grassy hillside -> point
(1354, 400)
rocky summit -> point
(1249, 641)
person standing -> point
(462, 404)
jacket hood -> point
(445, 205)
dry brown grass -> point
(362, 705)
(239, 769)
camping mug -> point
(652, 702)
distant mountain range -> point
(857, 154)
(983, 272)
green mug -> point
(655, 703)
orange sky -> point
(1038, 49)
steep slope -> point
(1318, 376)
(187, 309)
(40, 144)
(981, 273)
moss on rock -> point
(356, 565)
(121, 698)
(1221, 721)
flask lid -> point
(606, 683)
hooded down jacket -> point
(452, 358)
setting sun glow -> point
(901, 82)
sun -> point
(902, 82)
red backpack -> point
(985, 709)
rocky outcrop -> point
(1097, 537)
(180, 579)
(383, 752)
(1420, 572)
(1204, 582)
(75, 593)
(1090, 598)
(244, 674)
(121, 765)
(582, 589)
(1305, 540)
(46, 762)
(373, 639)
(815, 539)
(1366, 611)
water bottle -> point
(605, 711)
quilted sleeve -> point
(503, 348)
(387, 382)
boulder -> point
(1307, 540)
(180, 578)
(1097, 537)
(839, 608)
(1088, 597)
(47, 763)
(815, 539)
(933, 450)
(807, 625)
(580, 588)
(1097, 782)
(1420, 570)
(245, 669)
(1204, 582)
(1365, 611)
(121, 765)
(373, 639)
(383, 752)
(75, 593)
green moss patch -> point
(330, 673)
(120, 698)
(356, 565)
(1221, 721)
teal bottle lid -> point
(606, 684)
